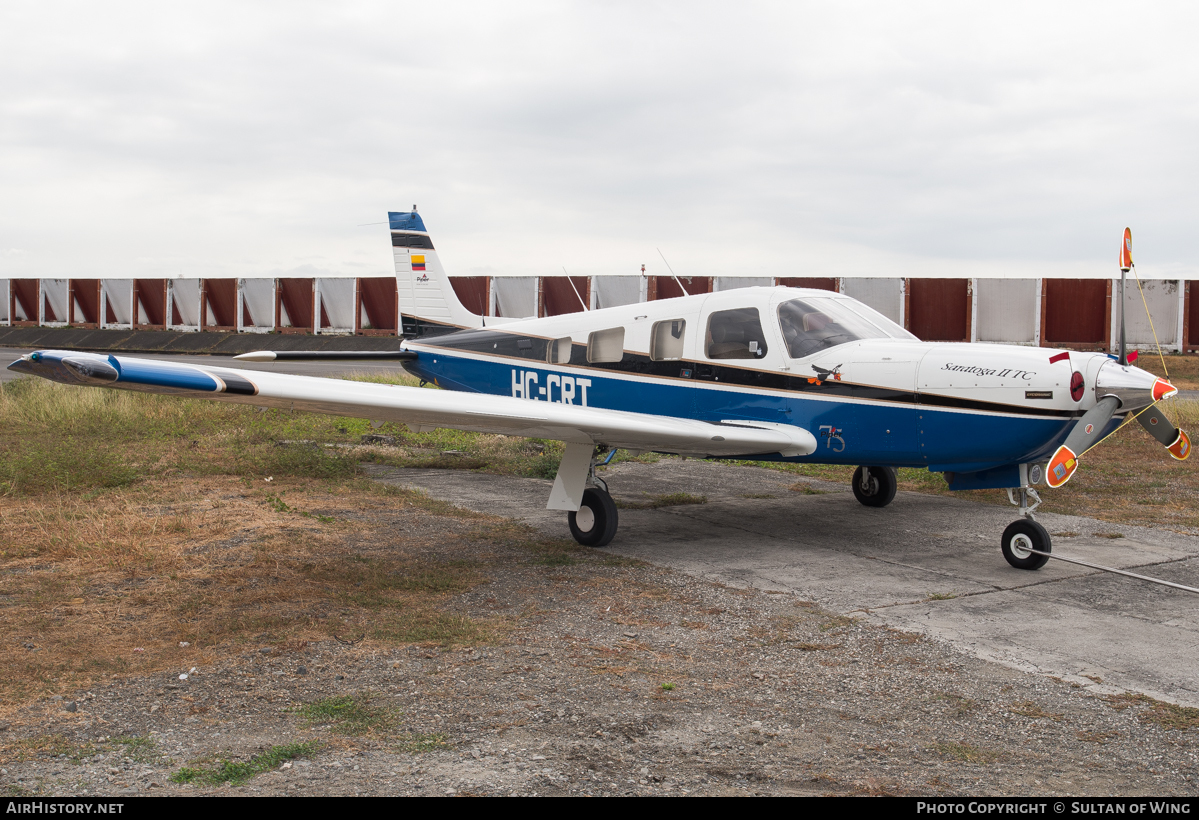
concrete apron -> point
(883, 565)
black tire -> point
(875, 486)
(594, 524)
(1019, 537)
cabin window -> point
(558, 351)
(606, 345)
(735, 334)
(666, 340)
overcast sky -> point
(778, 139)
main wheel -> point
(1022, 536)
(875, 486)
(594, 524)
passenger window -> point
(558, 351)
(666, 340)
(606, 345)
(735, 334)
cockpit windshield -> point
(814, 323)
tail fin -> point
(428, 304)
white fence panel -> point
(55, 297)
(884, 295)
(516, 296)
(185, 293)
(1161, 295)
(337, 298)
(119, 295)
(734, 282)
(611, 291)
(1007, 310)
(257, 298)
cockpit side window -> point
(812, 325)
(735, 334)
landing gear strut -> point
(1023, 536)
(875, 486)
(594, 524)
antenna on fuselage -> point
(576, 290)
(1125, 267)
(669, 268)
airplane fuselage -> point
(895, 401)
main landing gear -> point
(1023, 539)
(593, 524)
(875, 486)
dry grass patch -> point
(1183, 370)
(656, 502)
(115, 583)
(1166, 715)
(1032, 710)
(966, 752)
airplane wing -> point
(424, 409)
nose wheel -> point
(1020, 539)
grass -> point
(348, 715)
(656, 502)
(139, 749)
(136, 522)
(966, 752)
(1166, 715)
(1031, 710)
(1183, 370)
(237, 772)
(420, 742)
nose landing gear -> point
(1025, 535)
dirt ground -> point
(580, 673)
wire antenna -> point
(576, 290)
(669, 268)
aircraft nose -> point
(1135, 388)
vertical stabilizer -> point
(428, 304)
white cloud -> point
(241, 139)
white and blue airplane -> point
(766, 374)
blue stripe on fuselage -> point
(847, 432)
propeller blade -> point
(1176, 441)
(1083, 437)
